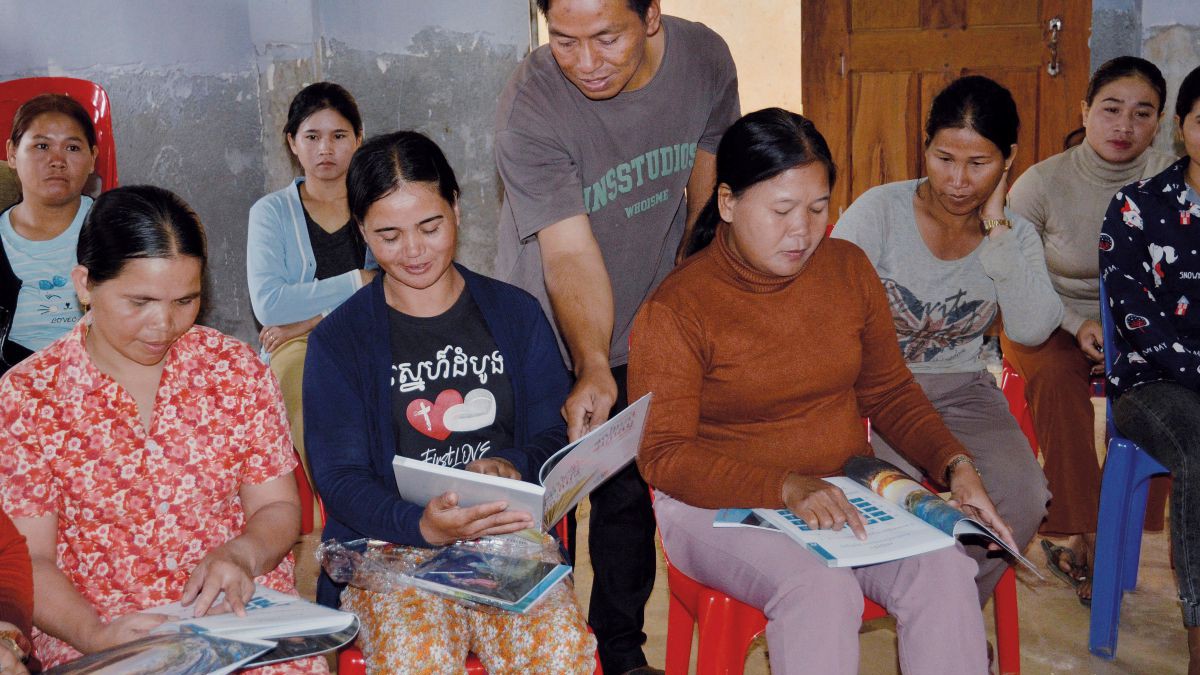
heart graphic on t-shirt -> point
(428, 418)
(478, 410)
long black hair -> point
(756, 148)
(384, 162)
(137, 221)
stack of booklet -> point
(509, 583)
(903, 519)
(277, 627)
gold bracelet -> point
(12, 640)
(960, 459)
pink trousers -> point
(814, 612)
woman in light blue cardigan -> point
(304, 256)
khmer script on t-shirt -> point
(452, 401)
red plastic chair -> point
(308, 497)
(94, 99)
(1013, 386)
(728, 626)
(350, 662)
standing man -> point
(606, 141)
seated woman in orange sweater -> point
(764, 350)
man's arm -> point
(699, 188)
(581, 297)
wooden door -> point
(872, 67)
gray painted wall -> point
(200, 92)
(1171, 39)
(1167, 32)
(1116, 29)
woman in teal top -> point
(53, 150)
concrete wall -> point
(200, 92)
(1116, 27)
(1166, 32)
(1171, 39)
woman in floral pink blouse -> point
(146, 459)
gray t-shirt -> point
(624, 162)
(942, 307)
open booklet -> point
(903, 519)
(565, 479)
(269, 615)
(277, 627)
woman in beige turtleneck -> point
(1065, 196)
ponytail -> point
(705, 228)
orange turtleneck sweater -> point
(755, 376)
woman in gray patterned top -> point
(952, 258)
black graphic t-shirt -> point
(452, 402)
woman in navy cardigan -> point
(433, 362)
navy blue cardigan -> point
(348, 432)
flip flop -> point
(1055, 556)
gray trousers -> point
(976, 412)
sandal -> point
(1078, 574)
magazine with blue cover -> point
(512, 584)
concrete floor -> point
(1054, 626)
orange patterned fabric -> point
(138, 509)
(413, 632)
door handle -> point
(1053, 28)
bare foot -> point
(1084, 546)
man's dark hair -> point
(639, 6)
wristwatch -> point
(990, 224)
(16, 642)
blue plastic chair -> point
(1127, 473)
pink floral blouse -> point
(138, 509)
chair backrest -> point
(1110, 349)
(94, 99)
